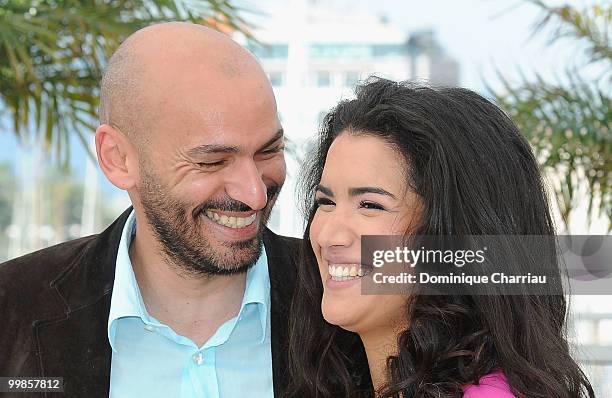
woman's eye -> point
(370, 205)
(323, 202)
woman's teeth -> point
(232, 222)
(345, 272)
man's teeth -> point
(345, 272)
(232, 222)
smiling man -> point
(186, 294)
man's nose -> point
(247, 186)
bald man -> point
(186, 294)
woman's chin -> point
(345, 316)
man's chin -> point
(236, 267)
(242, 254)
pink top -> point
(493, 385)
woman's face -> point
(363, 191)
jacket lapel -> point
(75, 345)
(281, 253)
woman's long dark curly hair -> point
(475, 175)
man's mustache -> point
(230, 204)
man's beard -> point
(179, 230)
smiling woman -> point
(412, 160)
(354, 198)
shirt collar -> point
(257, 290)
(126, 300)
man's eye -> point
(370, 205)
(276, 149)
(211, 164)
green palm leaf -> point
(52, 55)
(569, 121)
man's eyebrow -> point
(362, 190)
(207, 149)
(278, 136)
(324, 190)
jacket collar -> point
(281, 252)
(74, 345)
(90, 277)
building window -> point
(351, 79)
(357, 51)
(276, 78)
(389, 50)
(334, 51)
(269, 51)
(323, 79)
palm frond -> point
(53, 52)
(569, 121)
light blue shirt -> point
(150, 360)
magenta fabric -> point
(493, 385)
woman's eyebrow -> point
(361, 190)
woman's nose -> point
(336, 230)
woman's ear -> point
(117, 157)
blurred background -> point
(547, 63)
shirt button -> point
(149, 328)
(198, 358)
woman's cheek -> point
(316, 248)
(379, 225)
(314, 233)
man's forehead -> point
(168, 48)
(188, 72)
(221, 111)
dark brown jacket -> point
(54, 307)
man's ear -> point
(117, 157)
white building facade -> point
(315, 58)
